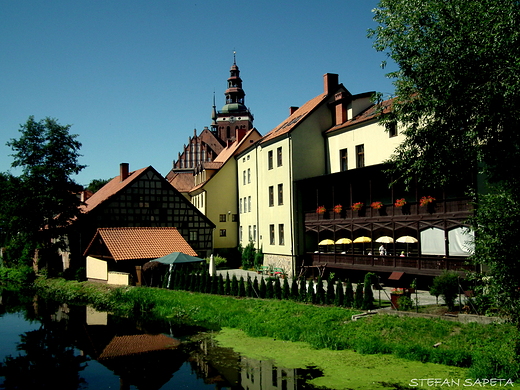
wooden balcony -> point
(423, 265)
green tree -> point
(262, 290)
(259, 259)
(358, 298)
(269, 288)
(44, 198)
(96, 184)
(234, 286)
(447, 286)
(227, 285)
(457, 87)
(320, 292)
(294, 289)
(311, 295)
(286, 289)
(248, 255)
(368, 296)
(302, 296)
(339, 298)
(241, 287)
(256, 289)
(349, 295)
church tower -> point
(235, 119)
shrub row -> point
(275, 288)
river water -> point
(48, 345)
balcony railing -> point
(438, 207)
(428, 265)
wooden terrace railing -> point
(423, 265)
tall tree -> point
(45, 200)
(457, 87)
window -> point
(280, 194)
(244, 177)
(254, 232)
(270, 159)
(392, 130)
(240, 234)
(222, 232)
(222, 218)
(194, 235)
(360, 156)
(248, 175)
(271, 196)
(281, 239)
(250, 233)
(240, 206)
(343, 160)
(279, 157)
(249, 203)
(271, 234)
(234, 217)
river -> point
(48, 345)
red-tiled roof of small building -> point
(294, 119)
(111, 188)
(131, 243)
(136, 344)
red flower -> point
(376, 205)
(425, 200)
(357, 206)
(400, 202)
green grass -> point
(487, 350)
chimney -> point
(341, 108)
(330, 82)
(239, 134)
(124, 169)
(292, 109)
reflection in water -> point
(80, 348)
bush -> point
(368, 297)
(248, 255)
(358, 298)
(349, 295)
(219, 261)
(259, 259)
(447, 286)
(404, 303)
(23, 275)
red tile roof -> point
(182, 181)
(111, 188)
(295, 118)
(370, 113)
(137, 344)
(130, 243)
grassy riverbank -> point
(487, 351)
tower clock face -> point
(232, 119)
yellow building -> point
(215, 193)
(294, 150)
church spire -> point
(214, 116)
(234, 92)
(235, 119)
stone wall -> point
(279, 261)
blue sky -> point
(135, 77)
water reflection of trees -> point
(49, 360)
